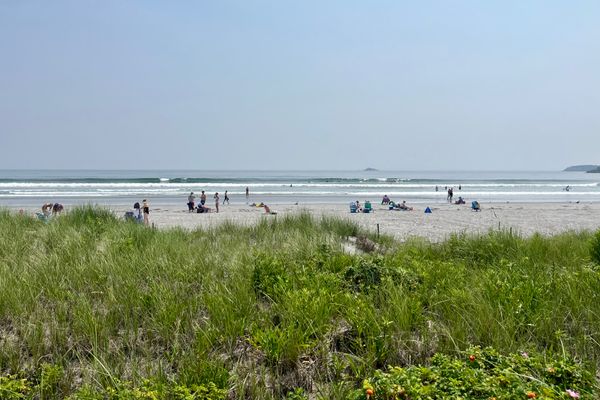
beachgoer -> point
(191, 199)
(450, 194)
(385, 200)
(437, 188)
(146, 211)
(137, 214)
(404, 207)
(57, 208)
(47, 209)
(268, 210)
(203, 198)
(200, 209)
(226, 198)
(460, 200)
(459, 187)
(247, 194)
(358, 208)
(216, 197)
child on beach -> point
(217, 201)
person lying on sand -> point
(268, 210)
(200, 209)
(404, 207)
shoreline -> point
(524, 218)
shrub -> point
(482, 374)
(595, 248)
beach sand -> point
(522, 218)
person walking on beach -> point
(217, 201)
(247, 195)
(450, 195)
(226, 198)
(191, 199)
(146, 211)
(203, 198)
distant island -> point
(371, 169)
(583, 168)
(594, 171)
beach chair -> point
(475, 206)
(353, 208)
(368, 208)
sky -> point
(219, 85)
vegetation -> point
(92, 307)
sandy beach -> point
(524, 218)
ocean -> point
(122, 187)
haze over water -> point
(34, 187)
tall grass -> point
(263, 310)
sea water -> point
(108, 187)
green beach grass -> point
(92, 307)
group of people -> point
(52, 209)
(355, 207)
(395, 206)
(201, 207)
(48, 210)
(140, 213)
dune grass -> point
(262, 311)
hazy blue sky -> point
(299, 84)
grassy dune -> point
(91, 306)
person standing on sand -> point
(217, 201)
(247, 195)
(203, 198)
(191, 199)
(226, 198)
(146, 211)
